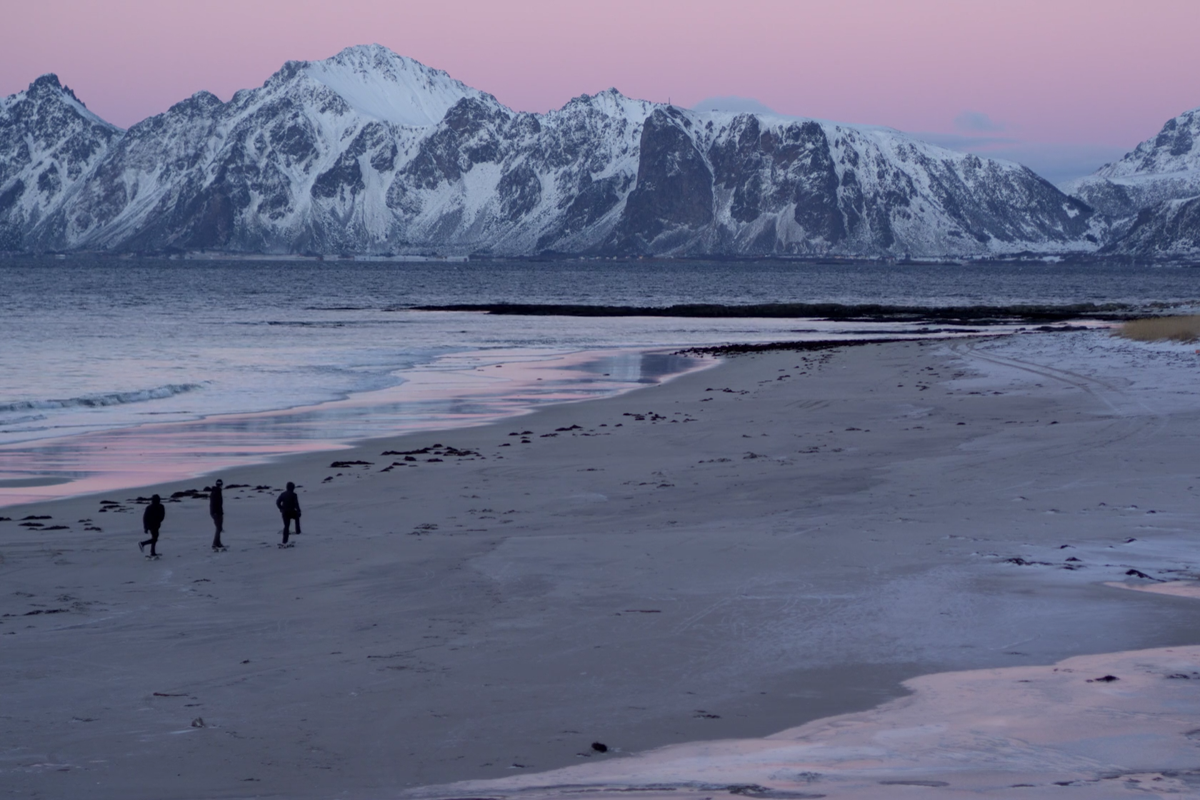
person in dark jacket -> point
(289, 506)
(152, 520)
(216, 510)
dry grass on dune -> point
(1160, 329)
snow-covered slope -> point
(1152, 195)
(371, 152)
(49, 144)
(1175, 149)
(377, 83)
(1170, 229)
(781, 185)
(295, 165)
(1166, 167)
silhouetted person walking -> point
(152, 520)
(216, 510)
(289, 506)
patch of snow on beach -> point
(1142, 534)
(1110, 725)
(1126, 376)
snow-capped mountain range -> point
(370, 152)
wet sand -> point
(742, 550)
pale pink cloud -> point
(1104, 72)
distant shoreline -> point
(1031, 259)
(848, 312)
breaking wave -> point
(102, 400)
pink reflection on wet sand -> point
(455, 392)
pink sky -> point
(1103, 73)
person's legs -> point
(219, 522)
(287, 527)
(297, 518)
(153, 541)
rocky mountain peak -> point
(49, 144)
(376, 58)
(46, 83)
(45, 94)
(610, 103)
(1141, 193)
(1176, 148)
(388, 87)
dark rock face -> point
(673, 198)
(1167, 230)
(803, 152)
(592, 203)
(464, 138)
(814, 188)
(343, 180)
(766, 170)
(729, 157)
(1112, 199)
(519, 192)
(369, 152)
(10, 196)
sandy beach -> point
(778, 540)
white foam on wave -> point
(102, 400)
